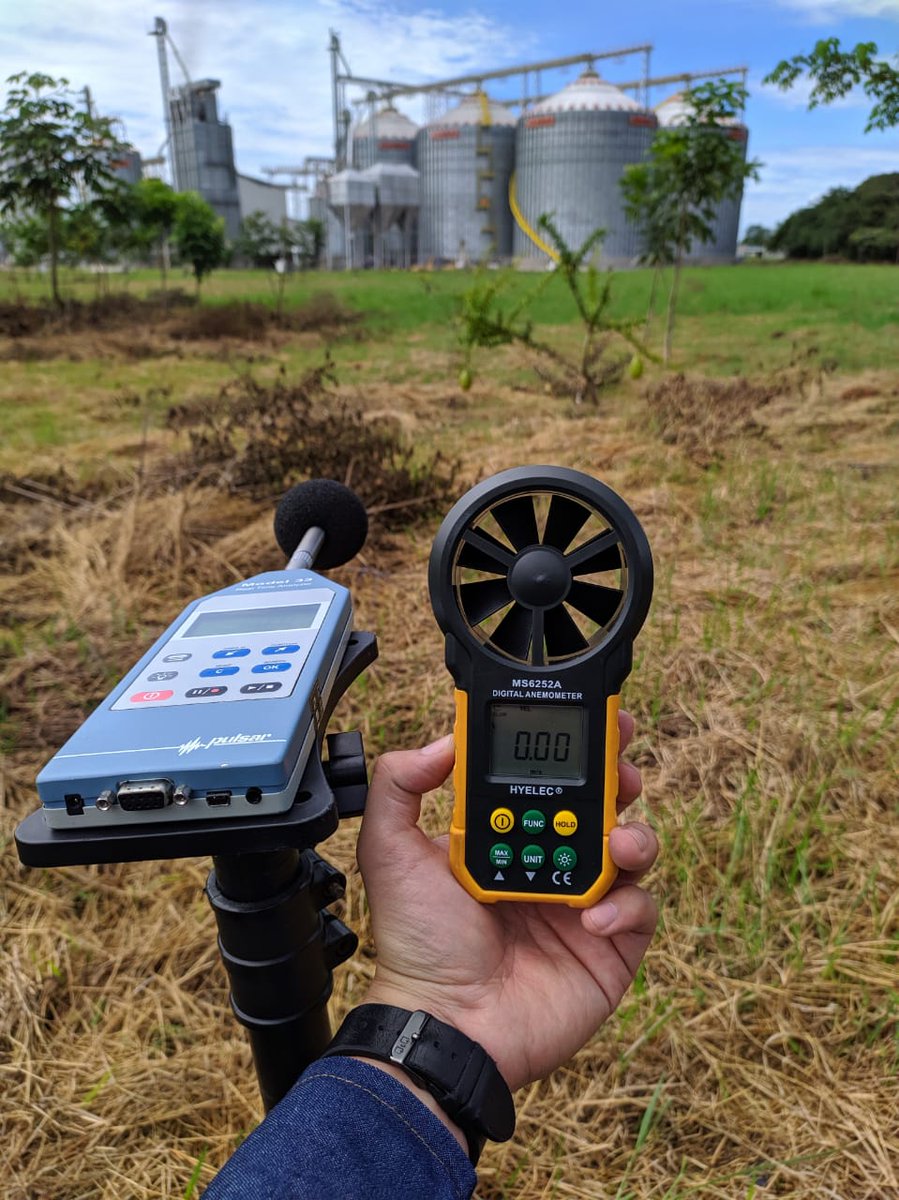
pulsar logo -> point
(236, 739)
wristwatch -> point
(458, 1073)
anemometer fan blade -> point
(602, 553)
(480, 600)
(598, 603)
(564, 522)
(518, 521)
(513, 633)
(562, 635)
(483, 552)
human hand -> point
(530, 982)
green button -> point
(564, 858)
(501, 855)
(533, 857)
(533, 821)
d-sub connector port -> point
(139, 795)
(221, 797)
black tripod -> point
(268, 888)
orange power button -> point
(502, 820)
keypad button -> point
(176, 657)
(232, 652)
(501, 855)
(501, 820)
(282, 648)
(533, 857)
(565, 858)
(216, 672)
(257, 689)
(150, 697)
(269, 668)
(565, 823)
(213, 690)
(533, 821)
(159, 676)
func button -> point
(533, 821)
(501, 820)
(565, 823)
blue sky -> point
(272, 60)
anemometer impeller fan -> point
(538, 575)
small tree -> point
(199, 234)
(49, 148)
(835, 72)
(258, 239)
(692, 167)
(156, 208)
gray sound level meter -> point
(540, 578)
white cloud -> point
(270, 55)
(819, 11)
(795, 178)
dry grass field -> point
(758, 1053)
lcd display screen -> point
(253, 620)
(543, 741)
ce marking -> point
(562, 878)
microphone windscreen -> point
(337, 511)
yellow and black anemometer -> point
(540, 578)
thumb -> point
(398, 782)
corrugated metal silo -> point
(571, 151)
(465, 159)
(722, 248)
(335, 241)
(387, 136)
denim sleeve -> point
(347, 1131)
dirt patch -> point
(702, 415)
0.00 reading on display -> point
(544, 740)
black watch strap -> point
(458, 1073)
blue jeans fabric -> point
(347, 1131)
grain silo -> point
(465, 160)
(351, 198)
(202, 150)
(387, 136)
(393, 220)
(722, 248)
(571, 151)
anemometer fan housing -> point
(541, 566)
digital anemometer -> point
(221, 714)
(540, 578)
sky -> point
(271, 57)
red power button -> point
(142, 697)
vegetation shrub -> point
(701, 415)
(259, 438)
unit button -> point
(270, 667)
(150, 697)
(214, 690)
(533, 821)
(501, 855)
(565, 823)
(533, 857)
(258, 689)
(232, 652)
(215, 672)
(282, 648)
(176, 658)
(501, 820)
(159, 676)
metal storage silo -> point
(722, 248)
(351, 197)
(570, 152)
(465, 160)
(387, 136)
(396, 209)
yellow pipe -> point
(526, 229)
(485, 108)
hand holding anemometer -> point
(540, 579)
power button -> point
(501, 820)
